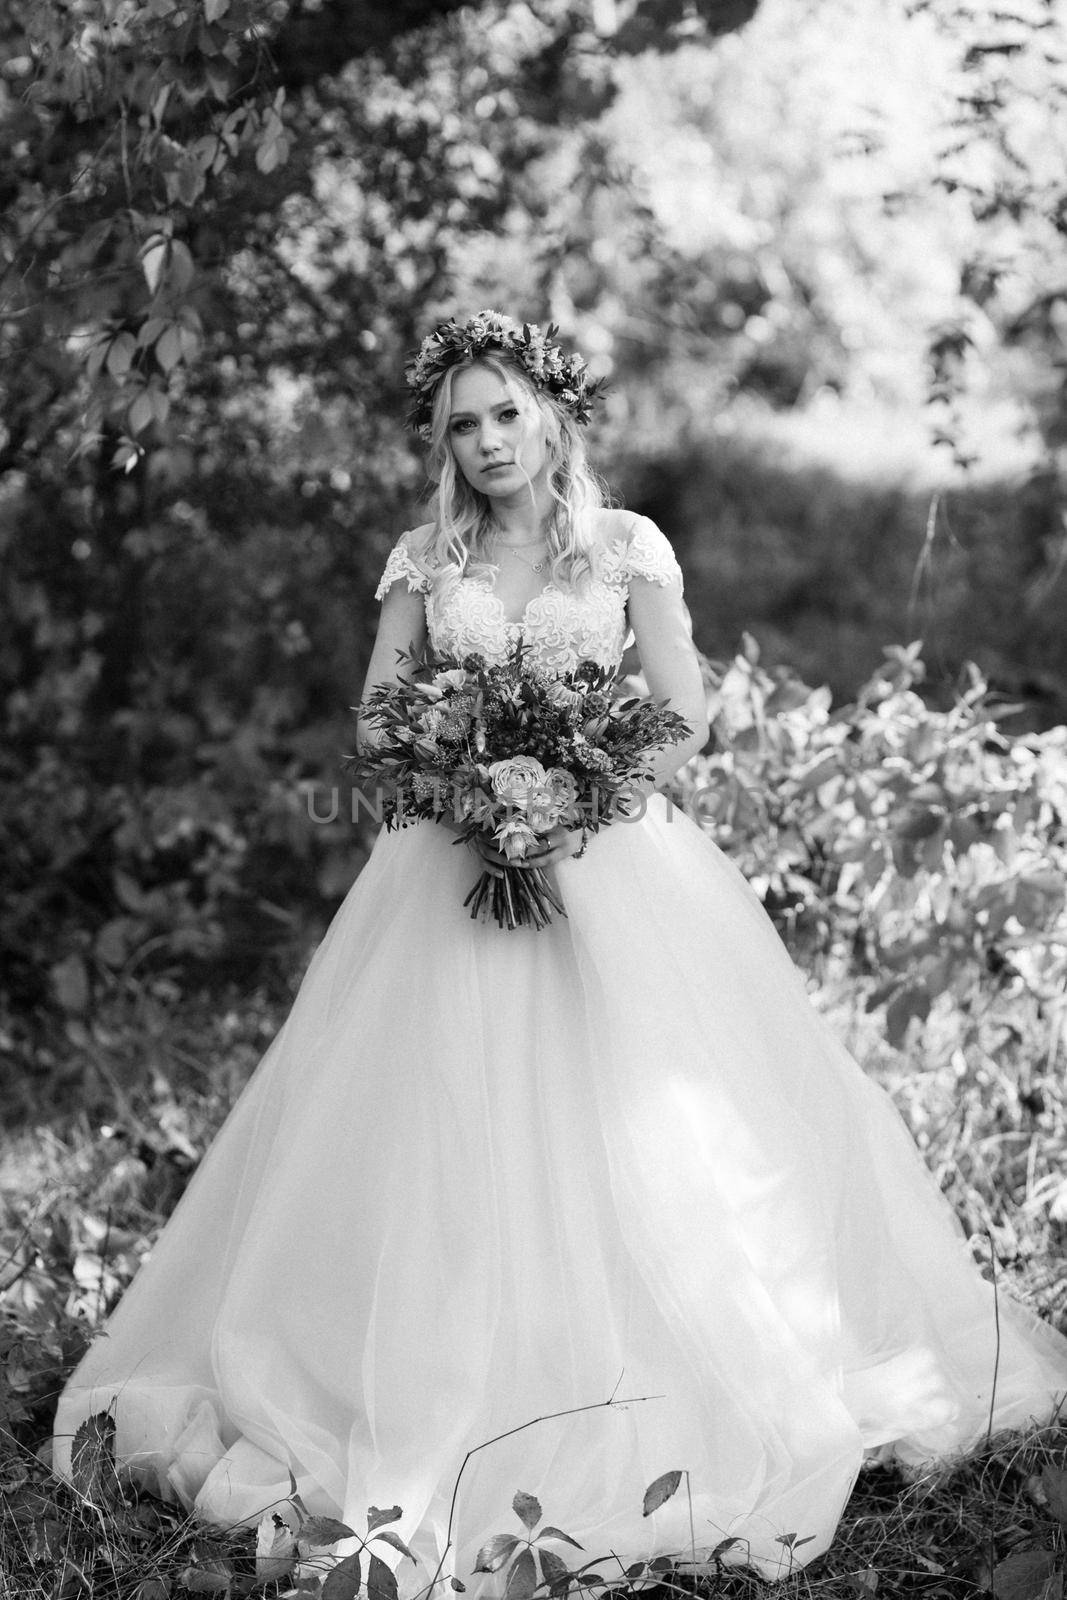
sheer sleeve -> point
(400, 565)
(649, 555)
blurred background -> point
(816, 248)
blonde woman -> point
(484, 1177)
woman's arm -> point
(671, 667)
(401, 626)
(669, 661)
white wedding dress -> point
(481, 1177)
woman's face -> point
(499, 444)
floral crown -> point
(564, 377)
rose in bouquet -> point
(508, 752)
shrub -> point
(925, 846)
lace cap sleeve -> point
(400, 565)
(649, 555)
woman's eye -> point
(462, 425)
(509, 415)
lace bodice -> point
(561, 626)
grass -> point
(83, 1194)
(986, 1525)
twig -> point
(9, 1259)
(103, 1253)
(925, 554)
(692, 1530)
(996, 1320)
(991, 1529)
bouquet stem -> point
(515, 897)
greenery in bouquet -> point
(508, 752)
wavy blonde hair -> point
(459, 543)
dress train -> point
(480, 1177)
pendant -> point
(536, 566)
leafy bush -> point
(927, 846)
(914, 860)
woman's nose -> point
(489, 437)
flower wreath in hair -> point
(564, 377)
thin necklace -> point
(524, 544)
(534, 566)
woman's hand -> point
(551, 847)
(556, 845)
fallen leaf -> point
(92, 1459)
(660, 1491)
(1023, 1575)
(275, 1547)
(199, 1580)
(1054, 1483)
(864, 1583)
(73, 1580)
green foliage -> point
(999, 1539)
(151, 151)
(130, 132)
(71, 1239)
(137, 887)
(928, 844)
(528, 1564)
(1000, 151)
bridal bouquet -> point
(509, 751)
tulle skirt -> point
(481, 1178)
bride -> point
(483, 1177)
